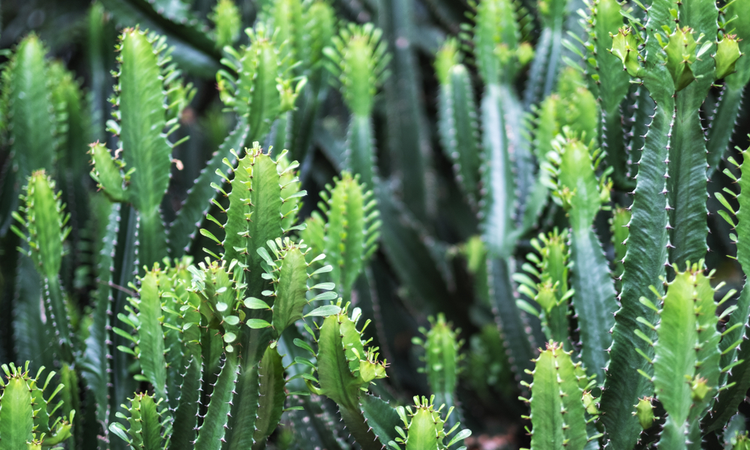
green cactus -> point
(345, 368)
(582, 196)
(145, 84)
(686, 363)
(44, 230)
(424, 427)
(551, 292)
(259, 91)
(227, 21)
(611, 81)
(557, 409)
(458, 120)
(358, 59)
(348, 237)
(26, 416)
(442, 363)
(207, 305)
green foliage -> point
(557, 410)
(26, 415)
(192, 298)
(424, 427)
(349, 234)
(227, 21)
(358, 60)
(442, 362)
(459, 134)
(345, 369)
(551, 292)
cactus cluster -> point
(381, 224)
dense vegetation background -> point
(421, 268)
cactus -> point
(424, 427)
(258, 93)
(581, 195)
(442, 363)
(45, 230)
(458, 122)
(190, 294)
(349, 234)
(143, 78)
(26, 416)
(557, 409)
(358, 59)
(552, 291)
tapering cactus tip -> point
(447, 57)
(227, 21)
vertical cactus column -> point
(30, 120)
(44, 230)
(676, 71)
(545, 66)
(348, 236)
(496, 40)
(582, 195)
(143, 122)
(612, 84)
(552, 291)
(442, 359)
(735, 365)
(259, 90)
(686, 362)
(358, 61)
(457, 114)
(557, 411)
(647, 243)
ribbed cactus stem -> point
(557, 412)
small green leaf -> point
(258, 324)
(255, 303)
(324, 311)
